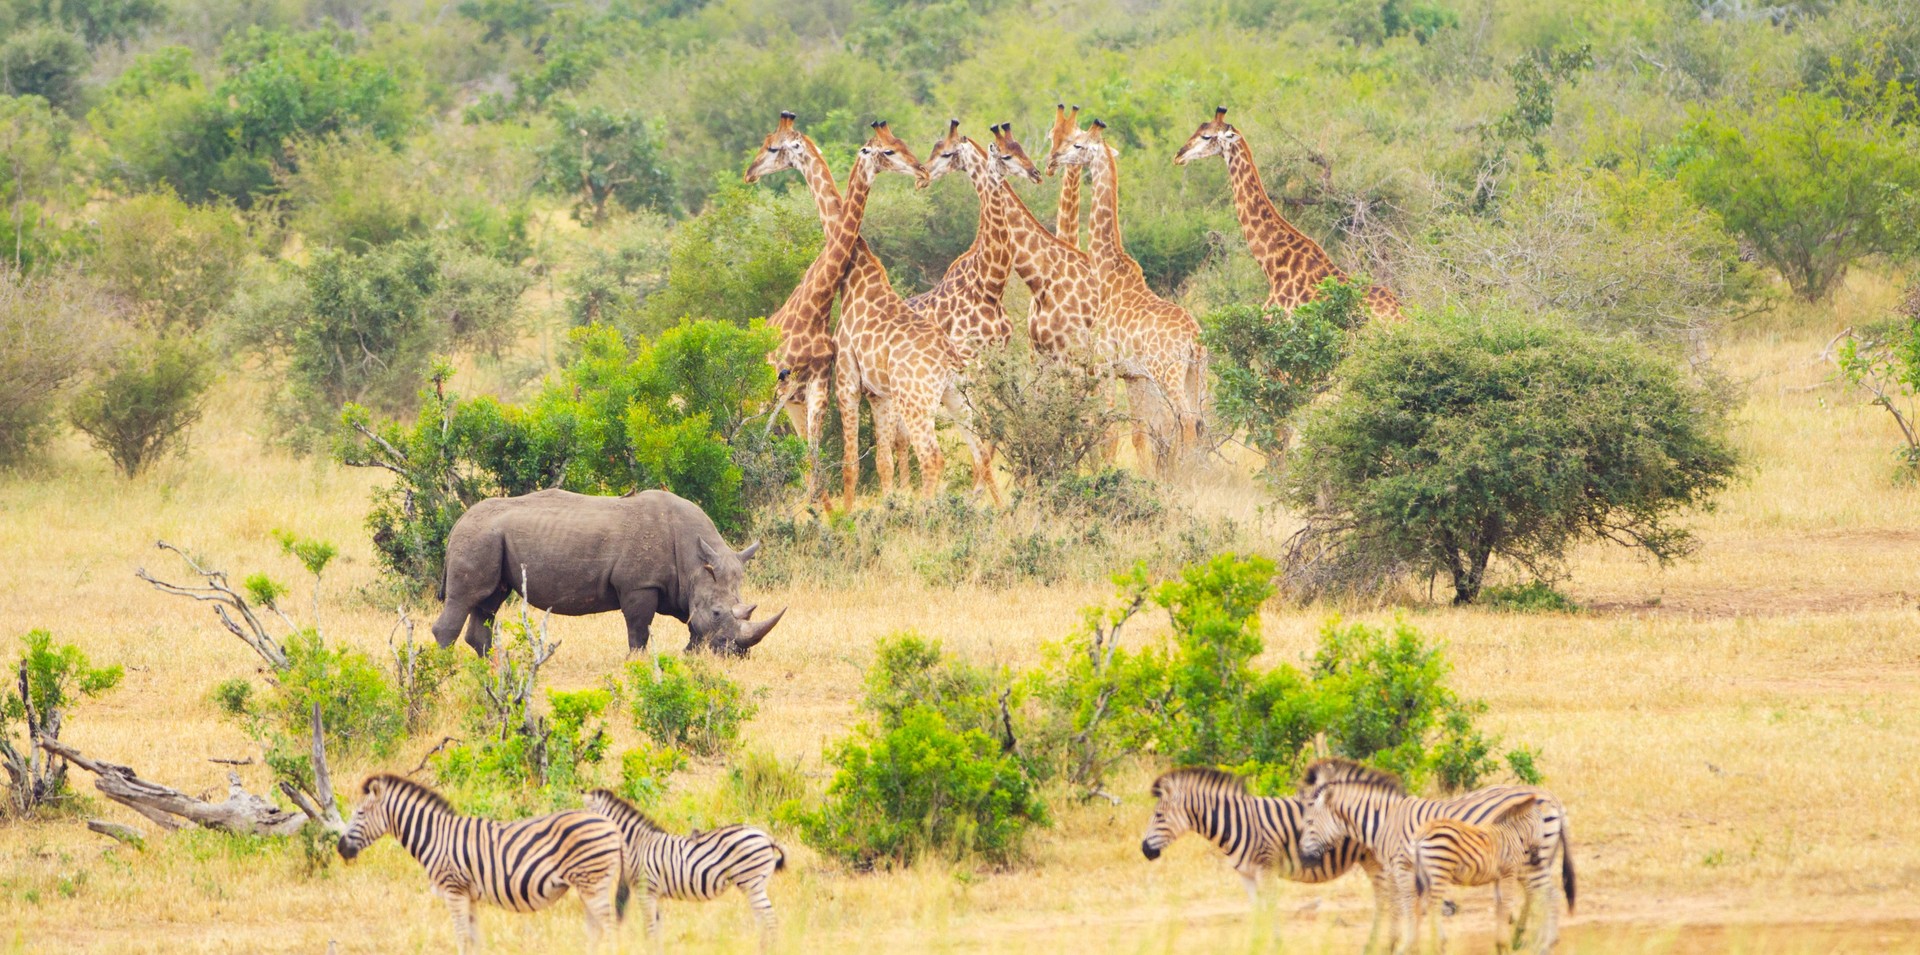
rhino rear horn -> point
(744, 611)
(752, 549)
(754, 631)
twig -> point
(437, 747)
(243, 761)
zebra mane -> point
(1198, 775)
(396, 783)
(1337, 770)
(620, 810)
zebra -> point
(697, 866)
(1255, 832)
(524, 866)
(1446, 854)
(1348, 801)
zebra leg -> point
(653, 916)
(1406, 926)
(1252, 882)
(596, 894)
(1382, 907)
(1502, 921)
(466, 931)
(756, 890)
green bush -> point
(921, 787)
(759, 783)
(599, 156)
(644, 771)
(1459, 438)
(1195, 698)
(38, 178)
(670, 413)
(686, 702)
(1111, 494)
(1534, 596)
(1814, 181)
(163, 123)
(179, 264)
(359, 705)
(909, 670)
(51, 331)
(736, 262)
(1047, 419)
(140, 408)
(55, 678)
(44, 61)
(1267, 364)
(1883, 361)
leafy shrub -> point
(1534, 596)
(686, 702)
(1883, 360)
(360, 707)
(50, 332)
(515, 760)
(644, 771)
(759, 783)
(615, 420)
(139, 409)
(736, 262)
(909, 670)
(1046, 418)
(1268, 364)
(163, 123)
(598, 155)
(609, 287)
(39, 173)
(1458, 438)
(921, 787)
(55, 679)
(1112, 494)
(44, 61)
(363, 328)
(1195, 698)
(177, 263)
(1810, 180)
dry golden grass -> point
(1735, 735)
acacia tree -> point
(1459, 438)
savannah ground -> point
(1735, 736)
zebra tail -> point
(620, 897)
(780, 862)
(1566, 866)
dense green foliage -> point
(1197, 699)
(139, 408)
(1267, 364)
(1457, 438)
(48, 338)
(687, 703)
(1884, 361)
(55, 678)
(671, 413)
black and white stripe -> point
(698, 866)
(1346, 801)
(523, 866)
(1446, 854)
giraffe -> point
(1156, 343)
(967, 301)
(1294, 263)
(1062, 317)
(1066, 219)
(902, 361)
(804, 357)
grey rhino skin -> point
(576, 554)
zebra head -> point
(1185, 795)
(385, 801)
(1323, 825)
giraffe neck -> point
(1294, 263)
(1027, 239)
(990, 234)
(1066, 220)
(826, 195)
(844, 233)
(1106, 245)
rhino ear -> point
(709, 554)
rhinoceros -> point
(575, 554)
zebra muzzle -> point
(1149, 850)
(347, 851)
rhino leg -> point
(638, 607)
(480, 623)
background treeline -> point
(328, 196)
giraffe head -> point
(1010, 157)
(1066, 128)
(1211, 139)
(784, 148)
(884, 152)
(1082, 148)
(953, 152)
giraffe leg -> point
(883, 442)
(816, 424)
(848, 389)
(978, 447)
(933, 462)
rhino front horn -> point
(754, 631)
